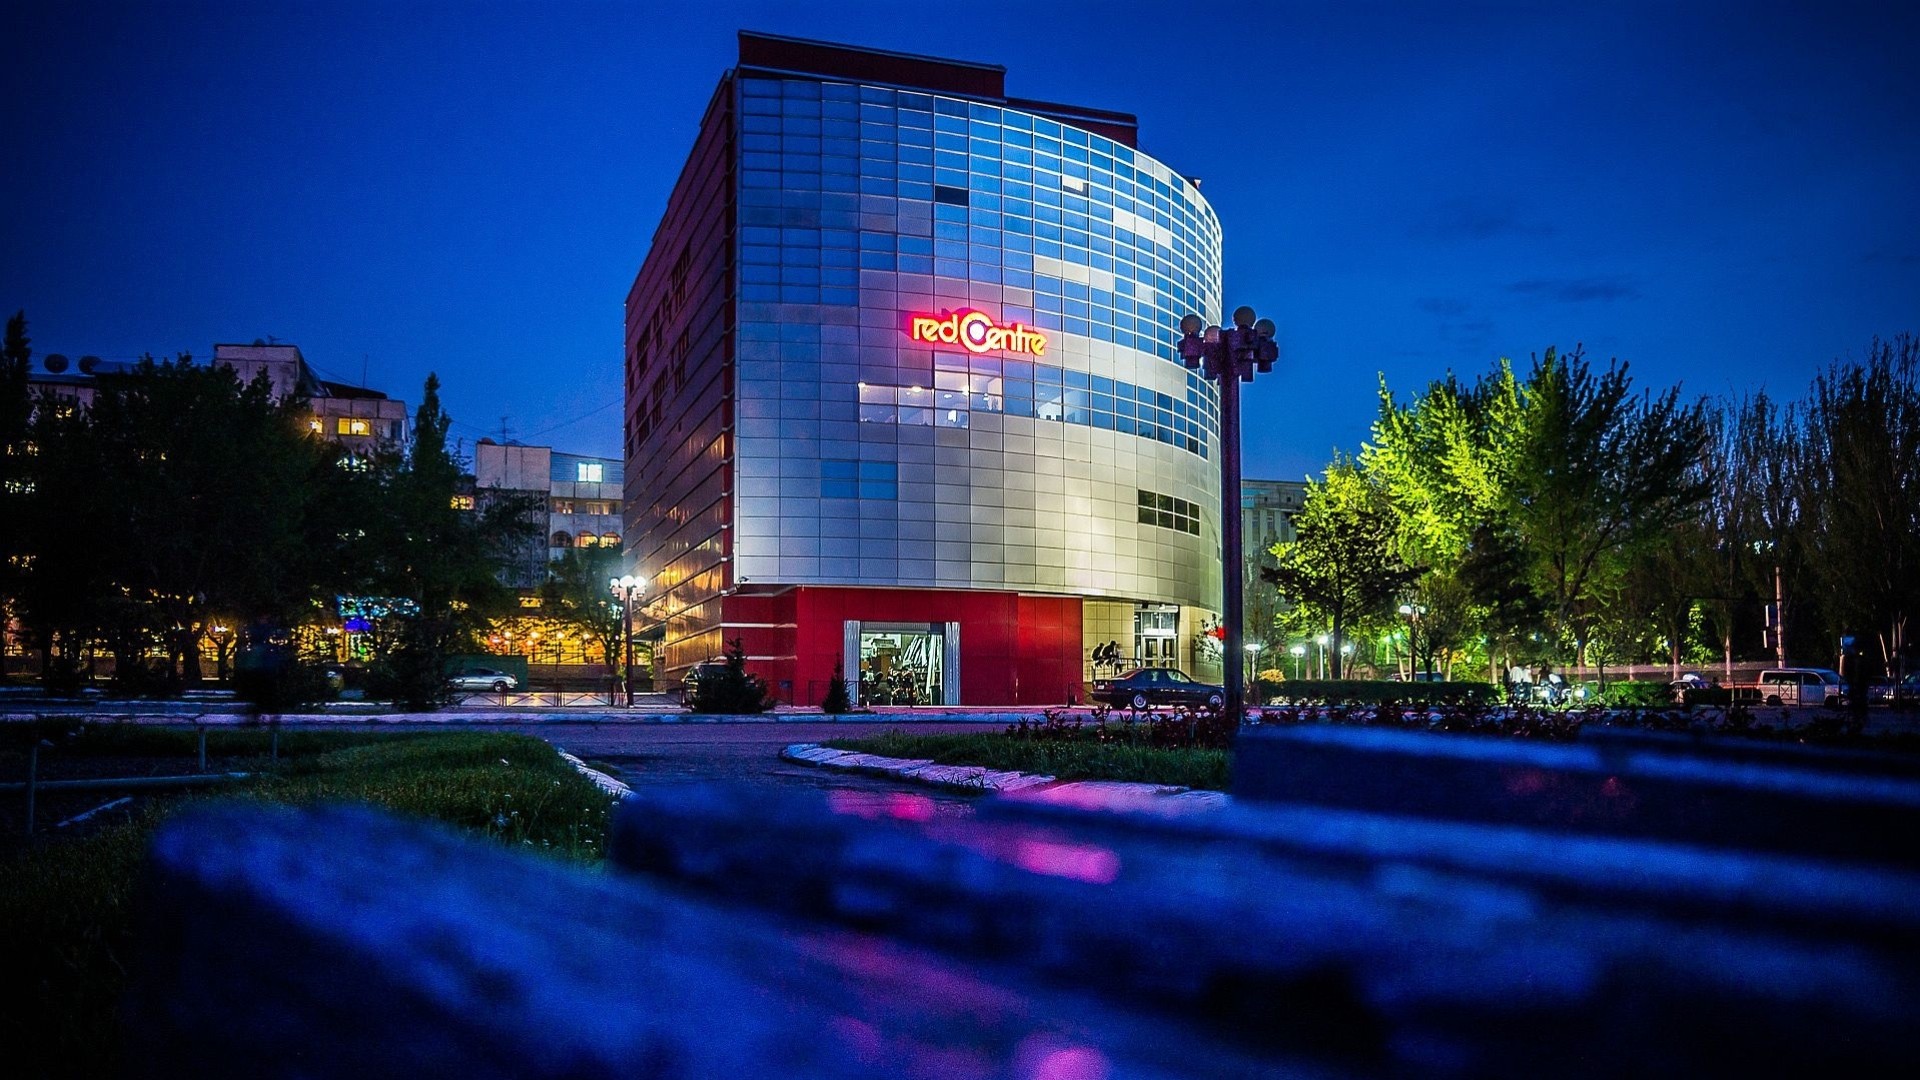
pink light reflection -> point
(899, 805)
(1043, 1058)
(1080, 862)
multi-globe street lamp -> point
(627, 587)
(1230, 357)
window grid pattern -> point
(1169, 512)
(864, 457)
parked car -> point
(1801, 686)
(705, 669)
(1145, 687)
(1904, 692)
(1690, 682)
(479, 678)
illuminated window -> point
(530, 601)
(353, 425)
(586, 540)
(589, 472)
(463, 502)
(314, 425)
(563, 506)
(611, 540)
(1168, 512)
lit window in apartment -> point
(589, 472)
(353, 425)
(529, 601)
(611, 540)
(587, 540)
(314, 425)
(563, 506)
(463, 502)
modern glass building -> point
(902, 392)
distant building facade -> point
(1267, 509)
(577, 501)
(353, 416)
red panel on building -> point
(1014, 649)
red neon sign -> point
(976, 332)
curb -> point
(599, 779)
(1083, 794)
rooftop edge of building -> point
(788, 56)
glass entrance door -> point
(1156, 636)
(902, 667)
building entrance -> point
(1156, 636)
(904, 666)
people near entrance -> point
(1107, 656)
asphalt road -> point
(657, 755)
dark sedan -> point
(1145, 687)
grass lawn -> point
(1078, 758)
(66, 903)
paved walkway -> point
(1085, 794)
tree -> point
(1343, 565)
(16, 409)
(1596, 475)
(731, 688)
(1858, 468)
(443, 561)
(576, 594)
(838, 699)
(210, 488)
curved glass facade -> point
(1072, 454)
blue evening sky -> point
(1725, 195)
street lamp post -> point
(1298, 651)
(1253, 663)
(1321, 671)
(1230, 357)
(1413, 613)
(626, 587)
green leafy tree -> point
(1597, 476)
(214, 496)
(576, 595)
(1344, 566)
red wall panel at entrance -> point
(1014, 649)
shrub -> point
(731, 689)
(1632, 694)
(1385, 691)
(837, 699)
(279, 688)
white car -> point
(479, 678)
(1801, 686)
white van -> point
(1801, 686)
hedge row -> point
(1385, 691)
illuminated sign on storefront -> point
(976, 332)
